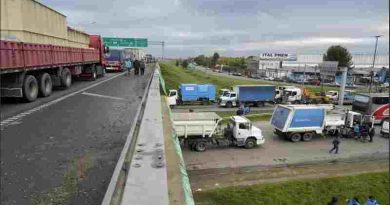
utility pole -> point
(162, 45)
(373, 62)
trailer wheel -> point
(200, 146)
(66, 78)
(296, 137)
(45, 84)
(250, 143)
(307, 136)
(229, 104)
(93, 73)
(30, 88)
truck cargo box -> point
(287, 118)
(195, 124)
(255, 93)
(194, 92)
(77, 39)
(32, 22)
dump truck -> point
(251, 95)
(200, 130)
(188, 93)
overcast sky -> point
(235, 27)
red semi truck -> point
(30, 70)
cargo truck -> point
(256, 95)
(303, 122)
(192, 93)
(30, 70)
(38, 51)
(114, 60)
(200, 130)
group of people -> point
(362, 131)
(138, 65)
(355, 201)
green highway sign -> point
(126, 42)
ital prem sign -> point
(278, 56)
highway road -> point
(75, 133)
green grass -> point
(318, 191)
(174, 76)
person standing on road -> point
(128, 66)
(356, 130)
(372, 201)
(143, 66)
(335, 143)
(136, 66)
(371, 133)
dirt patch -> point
(202, 180)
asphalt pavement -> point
(75, 132)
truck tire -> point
(66, 78)
(45, 84)
(93, 73)
(307, 136)
(30, 88)
(200, 146)
(296, 137)
(229, 104)
(250, 143)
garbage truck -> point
(192, 93)
(256, 95)
(201, 130)
(303, 122)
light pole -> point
(373, 62)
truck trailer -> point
(28, 70)
(38, 51)
(200, 130)
(256, 95)
(192, 93)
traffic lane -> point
(13, 106)
(38, 152)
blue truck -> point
(256, 95)
(192, 93)
(299, 122)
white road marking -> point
(104, 96)
(8, 121)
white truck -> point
(303, 122)
(200, 130)
(288, 94)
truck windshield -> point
(113, 55)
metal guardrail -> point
(140, 176)
(121, 167)
(147, 178)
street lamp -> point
(373, 61)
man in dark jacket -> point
(137, 66)
(335, 143)
(143, 66)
